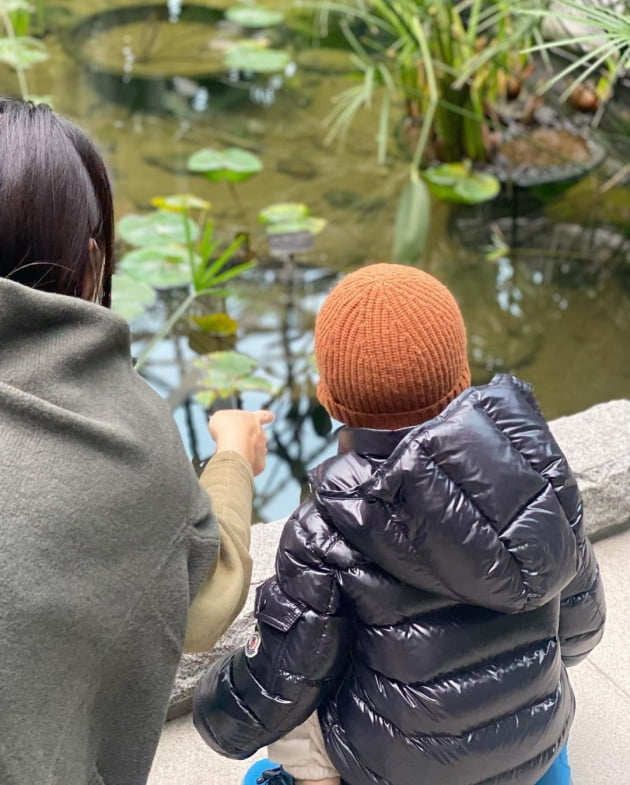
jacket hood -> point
(53, 347)
(477, 505)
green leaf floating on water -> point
(310, 224)
(228, 373)
(130, 298)
(22, 51)
(216, 323)
(180, 203)
(156, 228)
(161, 266)
(457, 183)
(257, 59)
(254, 16)
(289, 218)
(283, 212)
(411, 225)
(233, 164)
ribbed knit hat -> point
(390, 347)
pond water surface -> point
(555, 309)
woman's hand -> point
(234, 429)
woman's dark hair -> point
(55, 196)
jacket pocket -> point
(274, 608)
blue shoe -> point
(264, 771)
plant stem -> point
(19, 71)
(234, 193)
(427, 121)
(189, 248)
(166, 328)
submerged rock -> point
(298, 168)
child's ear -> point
(93, 280)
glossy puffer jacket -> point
(427, 597)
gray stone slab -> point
(597, 445)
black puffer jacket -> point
(425, 598)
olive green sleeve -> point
(228, 479)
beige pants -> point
(302, 752)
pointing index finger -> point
(264, 416)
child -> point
(430, 591)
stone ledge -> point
(597, 445)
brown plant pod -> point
(583, 99)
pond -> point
(552, 304)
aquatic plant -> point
(175, 247)
(18, 48)
(232, 165)
(447, 62)
(253, 15)
(169, 248)
(601, 41)
(229, 166)
(457, 182)
(254, 55)
(227, 374)
(412, 221)
(290, 218)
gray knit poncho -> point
(105, 534)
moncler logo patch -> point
(253, 644)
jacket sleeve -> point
(228, 480)
(297, 653)
(582, 607)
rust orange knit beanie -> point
(390, 347)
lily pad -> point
(180, 203)
(310, 224)
(160, 266)
(257, 59)
(283, 212)
(457, 183)
(254, 16)
(290, 218)
(228, 373)
(233, 164)
(216, 323)
(22, 51)
(156, 228)
(130, 297)
(314, 225)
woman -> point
(106, 535)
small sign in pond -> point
(290, 243)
